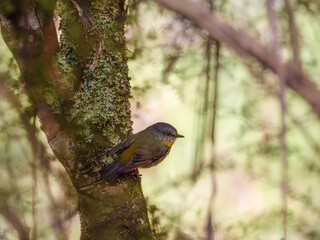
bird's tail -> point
(111, 171)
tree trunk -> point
(80, 90)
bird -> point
(144, 149)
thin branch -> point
(96, 56)
(173, 60)
(244, 45)
(274, 27)
(34, 175)
(293, 32)
(199, 138)
(207, 85)
(215, 93)
(210, 222)
(210, 218)
(213, 134)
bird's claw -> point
(136, 175)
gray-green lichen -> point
(101, 108)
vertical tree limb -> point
(211, 214)
(34, 175)
(209, 228)
(293, 32)
(213, 134)
(274, 27)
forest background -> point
(228, 177)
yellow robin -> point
(141, 150)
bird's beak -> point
(179, 136)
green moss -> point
(52, 99)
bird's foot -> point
(136, 175)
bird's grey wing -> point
(144, 158)
(121, 146)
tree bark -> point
(80, 88)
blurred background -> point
(226, 173)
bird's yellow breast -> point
(168, 144)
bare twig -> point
(293, 32)
(96, 56)
(210, 223)
(80, 11)
(274, 27)
(211, 215)
(34, 168)
(170, 66)
(213, 133)
(215, 93)
(199, 138)
(208, 67)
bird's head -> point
(165, 132)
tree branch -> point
(293, 32)
(274, 27)
(244, 45)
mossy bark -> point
(80, 89)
